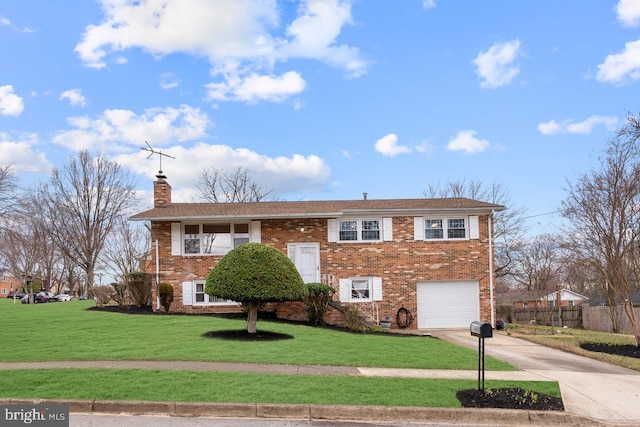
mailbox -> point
(481, 330)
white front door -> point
(306, 258)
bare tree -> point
(22, 243)
(125, 247)
(603, 208)
(508, 224)
(8, 187)
(230, 186)
(81, 204)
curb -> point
(469, 416)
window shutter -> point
(418, 228)
(387, 229)
(332, 227)
(377, 288)
(256, 233)
(187, 295)
(344, 290)
(474, 228)
(176, 238)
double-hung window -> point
(361, 289)
(359, 230)
(445, 228)
(202, 298)
(213, 238)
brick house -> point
(541, 298)
(432, 257)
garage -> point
(447, 304)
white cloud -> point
(241, 38)
(4, 21)
(466, 140)
(254, 88)
(388, 146)
(20, 153)
(582, 128)
(428, 4)
(74, 96)
(496, 67)
(628, 12)
(169, 81)
(617, 68)
(10, 103)
(346, 154)
(283, 175)
(116, 129)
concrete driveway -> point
(589, 387)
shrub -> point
(102, 294)
(352, 317)
(166, 295)
(139, 288)
(317, 302)
(120, 294)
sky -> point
(322, 99)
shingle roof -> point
(315, 209)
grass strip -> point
(196, 386)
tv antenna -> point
(151, 151)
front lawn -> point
(69, 331)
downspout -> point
(493, 320)
(157, 278)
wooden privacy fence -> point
(570, 317)
(599, 318)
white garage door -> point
(447, 304)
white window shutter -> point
(474, 227)
(418, 228)
(332, 230)
(256, 233)
(377, 288)
(187, 293)
(176, 238)
(387, 229)
(345, 290)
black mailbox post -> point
(482, 331)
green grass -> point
(190, 386)
(68, 331)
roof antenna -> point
(160, 154)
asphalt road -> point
(107, 420)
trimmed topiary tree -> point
(253, 274)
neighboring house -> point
(429, 256)
(600, 300)
(8, 283)
(540, 299)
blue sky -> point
(322, 99)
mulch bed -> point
(509, 398)
(627, 350)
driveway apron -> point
(589, 387)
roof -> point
(315, 209)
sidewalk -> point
(464, 416)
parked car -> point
(63, 297)
(17, 295)
(39, 298)
(82, 297)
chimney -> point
(161, 191)
(364, 196)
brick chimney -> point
(161, 191)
